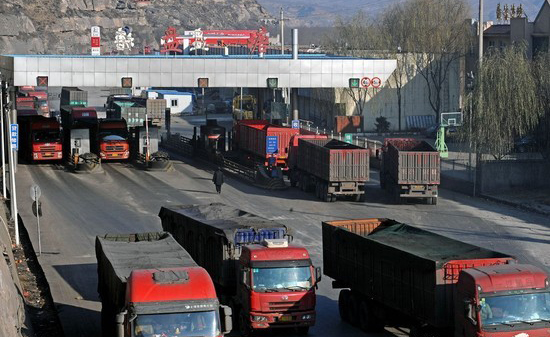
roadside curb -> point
(515, 204)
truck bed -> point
(119, 254)
(211, 234)
(333, 160)
(406, 268)
(411, 161)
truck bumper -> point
(55, 155)
(114, 155)
(279, 320)
(346, 188)
(418, 191)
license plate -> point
(48, 154)
(286, 318)
(114, 155)
(417, 187)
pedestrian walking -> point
(217, 179)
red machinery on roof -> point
(201, 39)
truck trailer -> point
(410, 168)
(395, 274)
(150, 286)
(267, 282)
(40, 138)
(330, 167)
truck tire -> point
(357, 197)
(434, 201)
(367, 320)
(302, 331)
(353, 310)
(343, 304)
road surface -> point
(123, 199)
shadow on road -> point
(82, 278)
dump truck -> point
(330, 167)
(268, 282)
(40, 138)
(395, 274)
(264, 141)
(112, 139)
(73, 96)
(150, 286)
(410, 168)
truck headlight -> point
(308, 317)
(259, 318)
(35, 155)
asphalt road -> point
(123, 199)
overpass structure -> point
(305, 71)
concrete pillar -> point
(294, 103)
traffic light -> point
(203, 82)
(354, 83)
(273, 83)
(126, 82)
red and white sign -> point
(366, 82)
(95, 41)
(376, 82)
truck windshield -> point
(46, 136)
(515, 308)
(281, 279)
(205, 323)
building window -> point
(174, 102)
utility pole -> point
(282, 24)
(3, 134)
(480, 86)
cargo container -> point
(156, 110)
(253, 136)
(150, 286)
(348, 124)
(330, 167)
(268, 282)
(396, 274)
(26, 103)
(40, 138)
(73, 96)
(410, 168)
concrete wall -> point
(12, 311)
(499, 176)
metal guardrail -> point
(178, 143)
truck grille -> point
(284, 306)
(47, 148)
(115, 148)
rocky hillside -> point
(63, 26)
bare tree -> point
(508, 92)
(541, 73)
(438, 36)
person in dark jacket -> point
(217, 179)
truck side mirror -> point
(227, 319)
(318, 274)
(120, 317)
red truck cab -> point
(503, 301)
(153, 294)
(278, 286)
(113, 139)
(40, 138)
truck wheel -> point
(244, 326)
(357, 197)
(397, 196)
(434, 201)
(367, 320)
(302, 331)
(343, 305)
(353, 313)
(333, 198)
